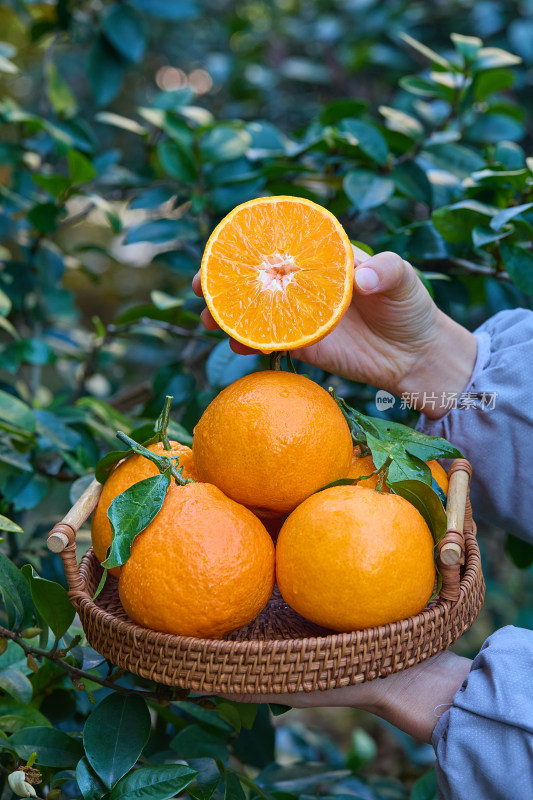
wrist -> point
(442, 370)
(415, 700)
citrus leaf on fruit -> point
(427, 501)
(417, 444)
(131, 512)
(115, 734)
(106, 464)
(403, 465)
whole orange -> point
(364, 465)
(349, 558)
(203, 567)
(132, 470)
(271, 439)
(439, 474)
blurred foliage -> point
(127, 131)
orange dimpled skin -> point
(134, 469)
(271, 439)
(203, 567)
(350, 558)
(277, 273)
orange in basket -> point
(271, 439)
(132, 470)
(350, 558)
(203, 567)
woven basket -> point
(279, 651)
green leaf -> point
(108, 462)
(424, 87)
(224, 143)
(14, 716)
(16, 684)
(105, 72)
(495, 58)
(124, 30)
(90, 784)
(16, 595)
(167, 9)
(481, 235)
(427, 501)
(402, 122)
(519, 264)
(197, 742)
(403, 466)
(411, 181)
(8, 525)
(131, 512)
(58, 435)
(425, 787)
(233, 789)
(519, 551)
(56, 185)
(177, 160)
(59, 92)
(368, 138)
(115, 734)
(15, 412)
(455, 158)
(206, 716)
(492, 128)
(503, 217)
(427, 52)
(10, 456)
(5, 304)
(487, 83)
(455, 223)
(367, 190)
(118, 121)
(157, 231)
(44, 217)
(7, 66)
(80, 168)
(53, 604)
(154, 783)
(53, 747)
(466, 46)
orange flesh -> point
(277, 273)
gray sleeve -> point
(494, 428)
(484, 742)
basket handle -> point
(62, 537)
(451, 548)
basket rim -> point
(439, 609)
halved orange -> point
(277, 273)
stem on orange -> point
(383, 471)
(290, 365)
(275, 360)
(161, 462)
(163, 420)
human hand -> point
(412, 700)
(392, 335)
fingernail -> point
(366, 279)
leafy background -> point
(128, 130)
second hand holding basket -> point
(279, 651)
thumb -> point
(386, 273)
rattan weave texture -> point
(279, 651)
